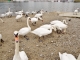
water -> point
(47, 6)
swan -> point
(1, 38)
(60, 27)
(66, 56)
(58, 21)
(19, 12)
(19, 55)
(9, 13)
(19, 17)
(41, 32)
(33, 12)
(75, 11)
(25, 30)
(3, 15)
(35, 19)
(39, 14)
(1, 20)
(27, 12)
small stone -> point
(52, 53)
(41, 55)
(4, 55)
(9, 51)
(52, 41)
(28, 47)
(22, 48)
(37, 45)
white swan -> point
(35, 19)
(66, 56)
(58, 21)
(19, 55)
(41, 32)
(75, 11)
(19, 17)
(19, 12)
(60, 27)
(9, 13)
(3, 15)
(25, 30)
(34, 12)
(1, 38)
(39, 14)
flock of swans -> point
(56, 25)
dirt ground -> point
(50, 46)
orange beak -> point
(17, 38)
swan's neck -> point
(64, 21)
(9, 9)
(16, 47)
(28, 22)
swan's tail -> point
(60, 55)
(78, 57)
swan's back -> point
(55, 21)
(46, 26)
(23, 55)
(24, 31)
(16, 57)
(41, 32)
(63, 56)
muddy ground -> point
(49, 47)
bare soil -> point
(49, 47)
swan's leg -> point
(2, 40)
(34, 22)
(26, 37)
(43, 36)
(40, 39)
(58, 31)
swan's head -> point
(28, 18)
(39, 18)
(16, 33)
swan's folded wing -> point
(23, 55)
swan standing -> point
(19, 17)
(25, 30)
(19, 55)
(39, 14)
(35, 19)
(75, 11)
(9, 13)
(1, 38)
(41, 32)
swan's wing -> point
(24, 31)
(71, 57)
(23, 55)
(40, 31)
